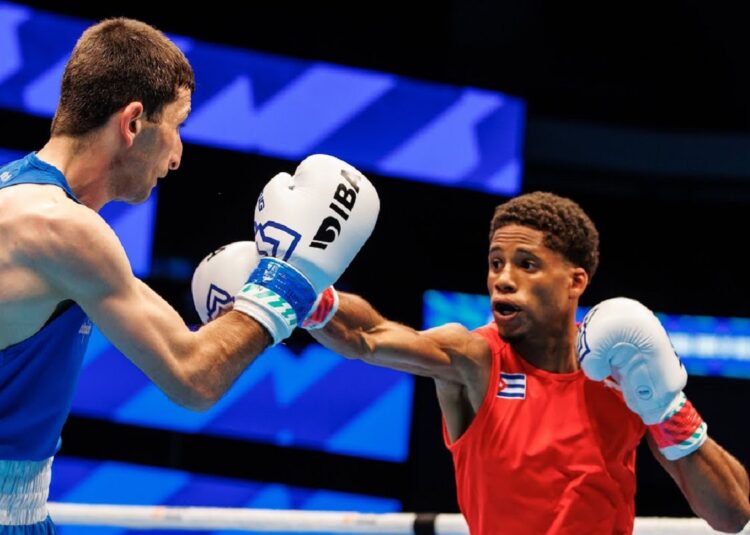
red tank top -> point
(547, 453)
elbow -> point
(731, 521)
(194, 393)
(195, 400)
(199, 402)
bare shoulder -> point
(60, 239)
(468, 349)
(461, 399)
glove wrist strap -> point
(284, 280)
(324, 309)
(277, 296)
(681, 432)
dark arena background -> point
(638, 111)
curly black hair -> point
(567, 229)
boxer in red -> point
(543, 427)
(542, 419)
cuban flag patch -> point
(512, 386)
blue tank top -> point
(38, 375)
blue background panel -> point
(315, 400)
(288, 108)
(707, 345)
(85, 481)
(8, 155)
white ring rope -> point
(274, 521)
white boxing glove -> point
(308, 228)
(318, 219)
(221, 275)
(623, 339)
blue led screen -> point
(288, 108)
(707, 345)
(315, 399)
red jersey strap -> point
(489, 333)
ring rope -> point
(274, 520)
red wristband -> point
(323, 310)
(681, 432)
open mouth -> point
(506, 309)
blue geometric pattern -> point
(707, 345)
(85, 481)
(316, 400)
(470, 310)
(288, 108)
(133, 224)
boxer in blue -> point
(125, 92)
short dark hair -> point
(567, 229)
(115, 62)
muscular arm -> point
(714, 483)
(449, 353)
(83, 260)
(458, 360)
(193, 368)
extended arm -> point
(459, 361)
(450, 352)
(193, 368)
(83, 261)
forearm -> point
(347, 332)
(715, 485)
(359, 331)
(223, 349)
(193, 369)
